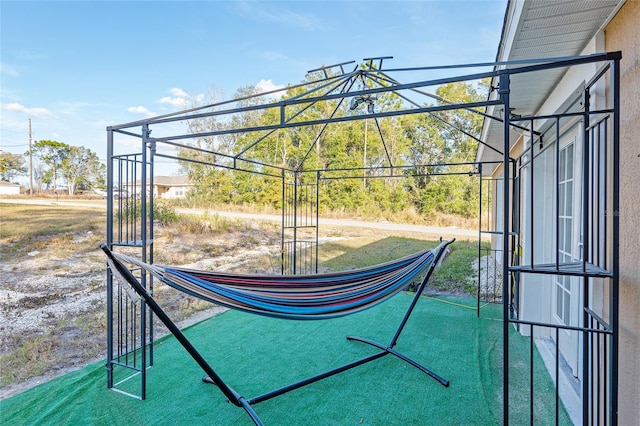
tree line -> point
(421, 147)
(59, 166)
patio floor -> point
(256, 354)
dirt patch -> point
(53, 307)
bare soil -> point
(53, 306)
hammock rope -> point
(300, 297)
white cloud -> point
(141, 110)
(178, 100)
(267, 86)
(181, 99)
(35, 112)
(264, 86)
(176, 91)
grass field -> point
(25, 228)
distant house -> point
(7, 188)
(171, 186)
(168, 187)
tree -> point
(81, 168)
(358, 151)
(51, 153)
(11, 165)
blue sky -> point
(76, 67)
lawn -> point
(24, 228)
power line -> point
(14, 146)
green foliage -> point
(11, 165)
(457, 272)
(51, 153)
(362, 150)
(164, 214)
(81, 168)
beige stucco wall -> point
(623, 34)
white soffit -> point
(552, 29)
(545, 29)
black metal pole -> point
(317, 206)
(388, 350)
(284, 212)
(152, 154)
(440, 251)
(480, 239)
(109, 239)
(143, 247)
(615, 291)
(384, 350)
(231, 394)
(315, 378)
(295, 223)
(531, 197)
(504, 95)
(557, 195)
(585, 253)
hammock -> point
(299, 297)
(292, 296)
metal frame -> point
(247, 404)
(335, 84)
(299, 245)
(599, 263)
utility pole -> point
(30, 162)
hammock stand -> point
(121, 272)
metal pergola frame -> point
(130, 226)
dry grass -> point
(25, 228)
(369, 213)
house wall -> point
(622, 34)
(9, 190)
(174, 192)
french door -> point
(566, 288)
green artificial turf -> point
(255, 354)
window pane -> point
(559, 300)
(561, 235)
(567, 235)
(561, 199)
(569, 202)
(562, 164)
(567, 300)
(570, 162)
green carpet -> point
(255, 354)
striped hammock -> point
(300, 297)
